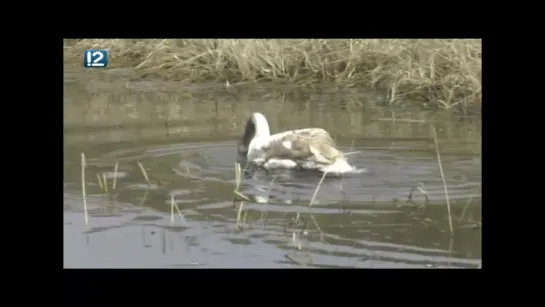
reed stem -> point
(115, 175)
(83, 165)
(443, 179)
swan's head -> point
(256, 126)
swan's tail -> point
(341, 166)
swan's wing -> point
(314, 144)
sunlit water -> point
(186, 140)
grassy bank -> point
(442, 72)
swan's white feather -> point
(259, 143)
(309, 148)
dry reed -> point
(174, 205)
(465, 210)
(313, 199)
(443, 179)
(239, 213)
(269, 188)
(115, 175)
(238, 180)
(105, 180)
(83, 165)
(100, 182)
(440, 72)
(143, 172)
(171, 210)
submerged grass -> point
(438, 72)
(410, 200)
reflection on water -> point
(185, 138)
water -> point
(185, 137)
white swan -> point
(310, 148)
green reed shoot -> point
(83, 165)
(144, 172)
(115, 175)
(443, 179)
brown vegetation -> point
(442, 72)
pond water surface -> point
(185, 138)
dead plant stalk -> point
(443, 179)
(83, 165)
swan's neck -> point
(261, 126)
(257, 128)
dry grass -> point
(442, 72)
